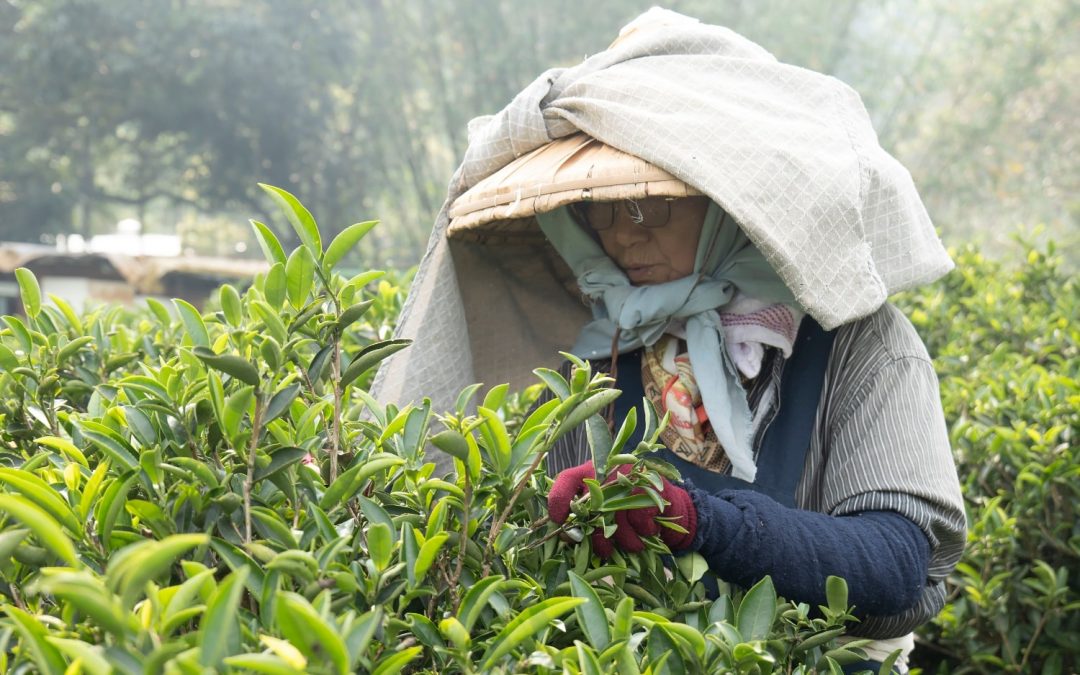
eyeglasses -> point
(598, 216)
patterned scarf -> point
(638, 316)
(667, 375)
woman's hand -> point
(632, 524)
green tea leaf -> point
(299, 276)
(29, 291)
(90, 490)
(525, 626)
(8, 360)
(359, 635)
(306, 629)
(219, 631)
(21, 333)
(35, 640)
(757, 611)
(236, 406)
(590, 614)
(836, 593)
(345, 241)
(497, 438)
(72, 348)
(428, 551)
(276, 285)
(586, 409)
(392, 664)
(160, 311)
(664, 654)
(103, 438)
(139, 563)
(271, 320)
(270, 664)
(369, 357)
(45, 528)
(298, 216)
(269, 243)
(346, 485)
(44, 496)
(231, 306)
(456, 633)
(86, 593)
(452, 443)
(624, 616)
(352, 314)
(380, 545)
(280, 459)
(193, 322)
(230, 364)
(476, 598)
(280, 402)
(112, 505)
(69, 313)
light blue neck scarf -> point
(726, 261)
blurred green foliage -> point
(164, 111)
(1006, 343)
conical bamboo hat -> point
(571, 169)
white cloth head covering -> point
(789, 153)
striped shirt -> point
(879, 444)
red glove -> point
(632, 524)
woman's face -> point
(647, 252)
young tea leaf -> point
(299, 276)
(193, 322)
(269, 243)
(29, 291)
(298, 216)
(345, 241)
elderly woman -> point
(721, 232)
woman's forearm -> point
(745, 535)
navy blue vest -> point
(787, 438)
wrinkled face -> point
(649, 242)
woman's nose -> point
(627, 231)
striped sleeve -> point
(881, 444)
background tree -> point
(119, 108)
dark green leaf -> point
(229, 364)
(756, 612)
(280, 402)
(591, 616)
(369, 357)
(219, 632)
(281, 459)
(352, 314)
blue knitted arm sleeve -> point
(745, 535)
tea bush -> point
(192, 492)
(1006, 343)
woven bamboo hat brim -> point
(571, 169)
